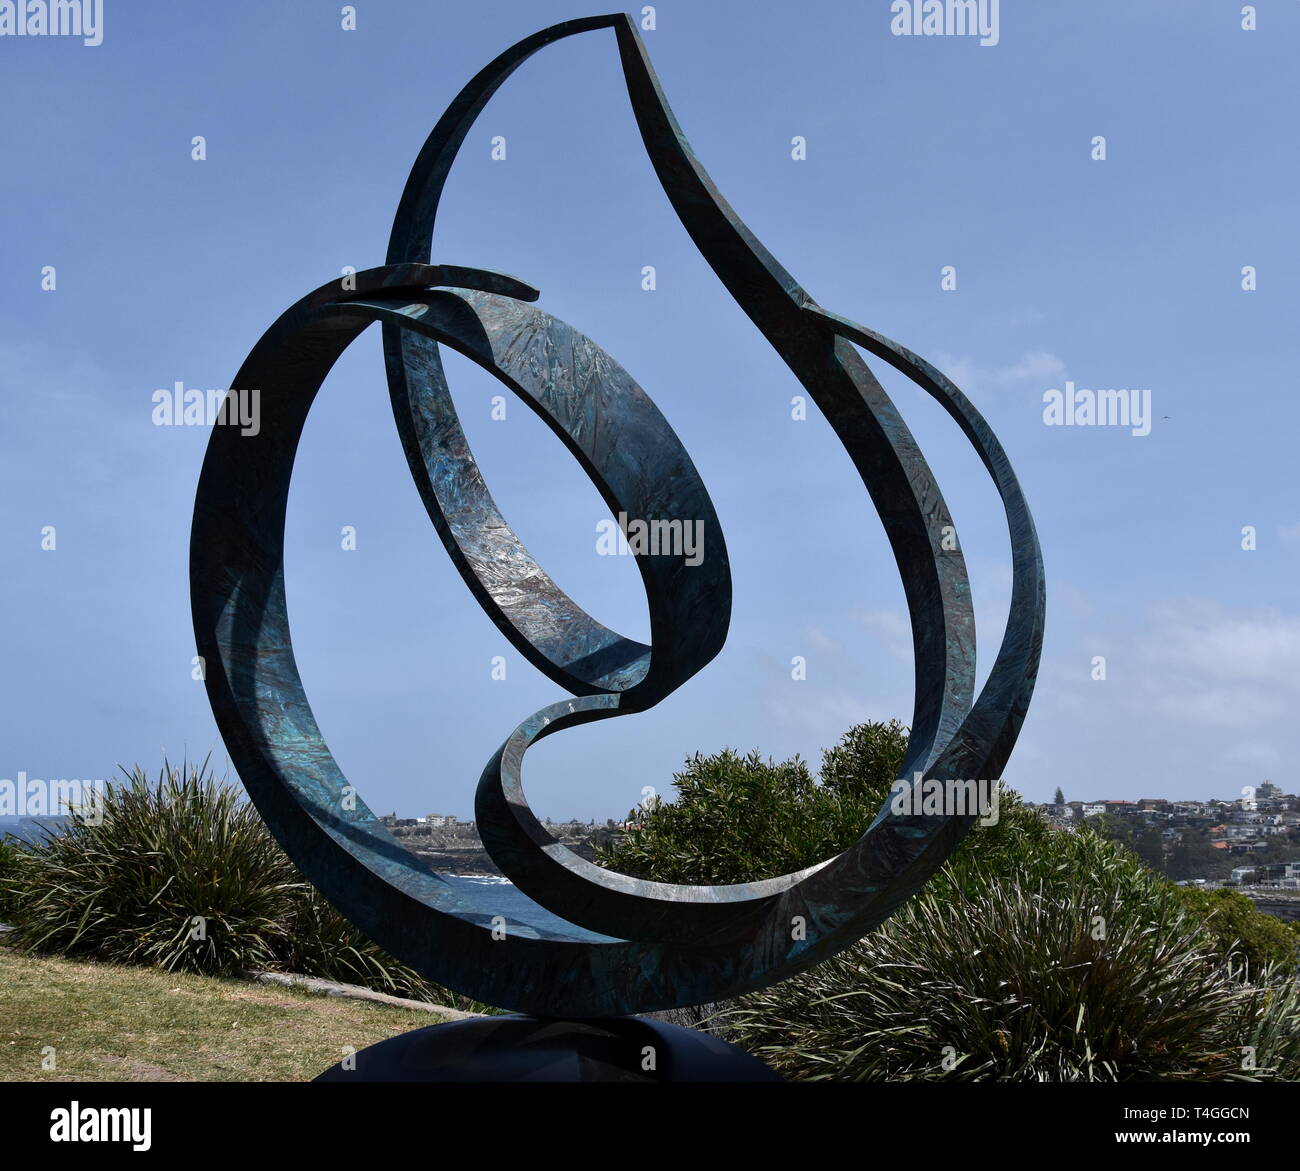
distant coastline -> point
(456, 848)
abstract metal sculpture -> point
(624, 945)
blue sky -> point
(921, 152)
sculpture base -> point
(528, 1049)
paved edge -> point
(356, 992)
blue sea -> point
(509, 901)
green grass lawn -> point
(109, 1024)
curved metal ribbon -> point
(660, 945)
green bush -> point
(1083, 970)
(1240, 931)
(178, 873)
(10, 859)
(1035, 953)
(181, 873)
(741, 818)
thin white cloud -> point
(1037, 367)
(891, 628)
(1258, 757)
(827, 715)
(820, 639)
(1204, 664)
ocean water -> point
(489, 894)
(499, 896)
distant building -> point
(1273, 873)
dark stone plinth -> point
(527, 1049)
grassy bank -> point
(111, 1023)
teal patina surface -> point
(599, 943)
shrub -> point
(179, 874)
(1241, 932)
(1035, 953)
(741, 818)
(181, 852)
(11, 856)
(1086, 970)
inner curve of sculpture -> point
(593, 943)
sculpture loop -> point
(591, 942)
